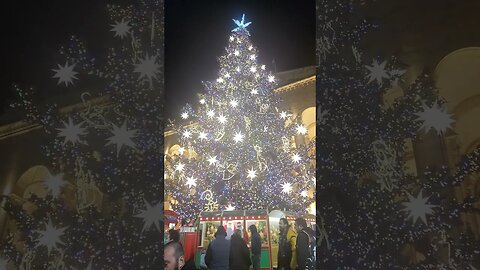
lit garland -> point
(376, 215)
(234, 145)
(113, 148)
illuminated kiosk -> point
(208, 223)
(274, 218)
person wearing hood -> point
(239, 254)
(218, 251)
(256, 246)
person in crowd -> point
(203, 266)
(256, 246)
(287, 259)
(173, 256)
(239, 254)
(218, 251)
(305, 258)
(173, 235)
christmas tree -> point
(376, 212)
(236, 149)
(101, 204)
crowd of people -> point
(296, 250)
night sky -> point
(197, 33)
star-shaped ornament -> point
(54, 184)
(377, 72)
(435, 117)
(286, 187)
(418, 207)
(65, 74)
(241, 25)
(71, 132)
(122, 136)
(152, 215)
(121, 28)
(148, 68)
(252, 173)
(50, 237)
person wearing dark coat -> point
(303, 243)
(239, 254)
(218, 251)
(256, 246)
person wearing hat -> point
(218, 251)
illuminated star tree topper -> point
(241, 25)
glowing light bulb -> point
(283, 115)
(304, 193)
(210, 113)
(253, 69)
(250, 47)
(232, 38)
(296, 158)
(263, 67)
(233, 103)
(227, 75)
(184, 115)
(271, 78)
(236, 53)
(220, 80)
(252, 57)
(202, 101)
(181, 150)
(254, 92)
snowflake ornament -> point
(71, 132)
(121, 28)
(418, 207)
(377, 72)
(435, 117)
(50, 237)
(65, 74)
(152, 215)
(121, 136)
